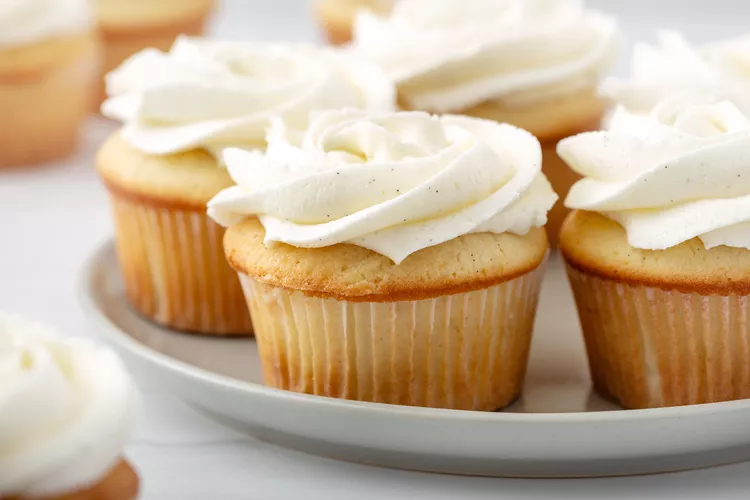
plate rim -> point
(114, 334)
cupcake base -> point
(120, 484)
(174, 268)
(649, 347)
(47, 104)
(662, 328)
(171, 254)
(465, 351)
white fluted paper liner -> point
(649, 347)
(175, 271)
(465, 351)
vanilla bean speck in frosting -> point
(66, 411)
(211, 94)
(450, 55)
(29, 21)
(391, 182)
(680, 172)
(673, 65)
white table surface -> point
(52, 217)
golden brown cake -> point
(395, 257)
(169, 250)
(46, 91)
(120, 484)
(533, 64)
(128, 26)
(662, 328)
(336, 17)
(448, 327)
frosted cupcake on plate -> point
(49, 61)
(179, 110)
(391, 257)
(128, 26)
(66, 411)
(337, 16)
(533, 63)
(658, 250)
(674, 65)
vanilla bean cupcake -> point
(129, 26)
(658, 251)
(336, 17)
(395, 257)
(67, 408)
(673, 65)
(533, 63)
(49, 61)
(179, 109)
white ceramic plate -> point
(558, 428)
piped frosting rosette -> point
(391, 182)
(210, 94)
(67, 408)
(680, 172)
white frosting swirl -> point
(212, 94)
(449, 55)
(66, 410)
(678, 173)
(673, 65)
(393, 182)
(28, 21)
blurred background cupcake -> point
(49, 62)
(533, 63)
(658, 250)
(396, 257)
(179, 110)
(336, 17)
(128, 26)
(67, 407)
(674, 65)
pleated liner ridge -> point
(649, 347)
(175, 271)
(466, 351)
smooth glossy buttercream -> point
(210, 94)
(391, 182)
(449, 55)
(680, 172)
(67, 408)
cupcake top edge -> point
(677, 173)
(24, 22)
(392, 182)
(451, 55)
(67, 408)
(213, 94)
(674, 65)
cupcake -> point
(128, 26)
(49, 59)
(179, 110)
(66, 410)
(658, 251)
(533, 63)
(673, 65)
(391, 257)
(337, 16)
